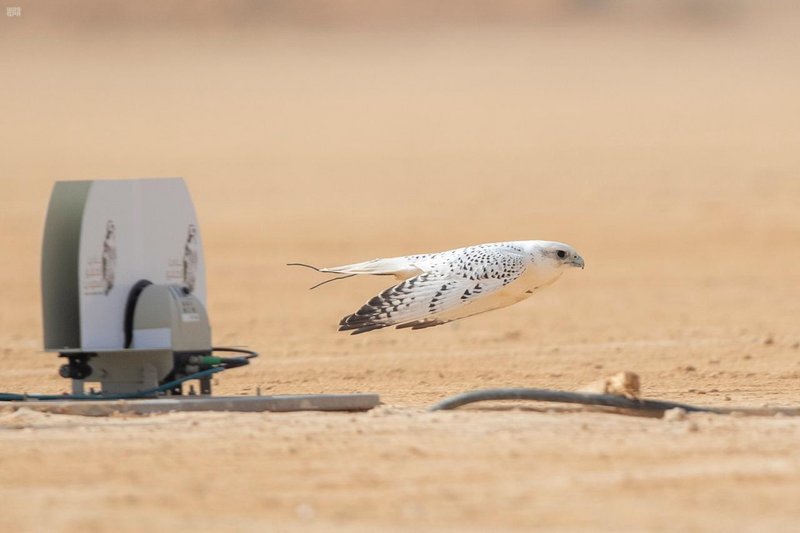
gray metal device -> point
(124, 301)
(123, 284)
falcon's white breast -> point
(441, 287)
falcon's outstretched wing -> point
(428, 300)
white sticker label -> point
(187, 304)
(152, 338)
(189, 310)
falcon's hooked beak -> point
(577, 261)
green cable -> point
(11, 397)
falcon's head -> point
(556, 255)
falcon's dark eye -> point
(561, 253)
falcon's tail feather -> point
(319, 270)
(312, 267)
(400, 267)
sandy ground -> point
(666, 153)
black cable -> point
(546, 395)
(604, 400)
(250, 354)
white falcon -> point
(441, 287)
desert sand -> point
(665, 150)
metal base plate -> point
(300, 402)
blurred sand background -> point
(661, 139)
